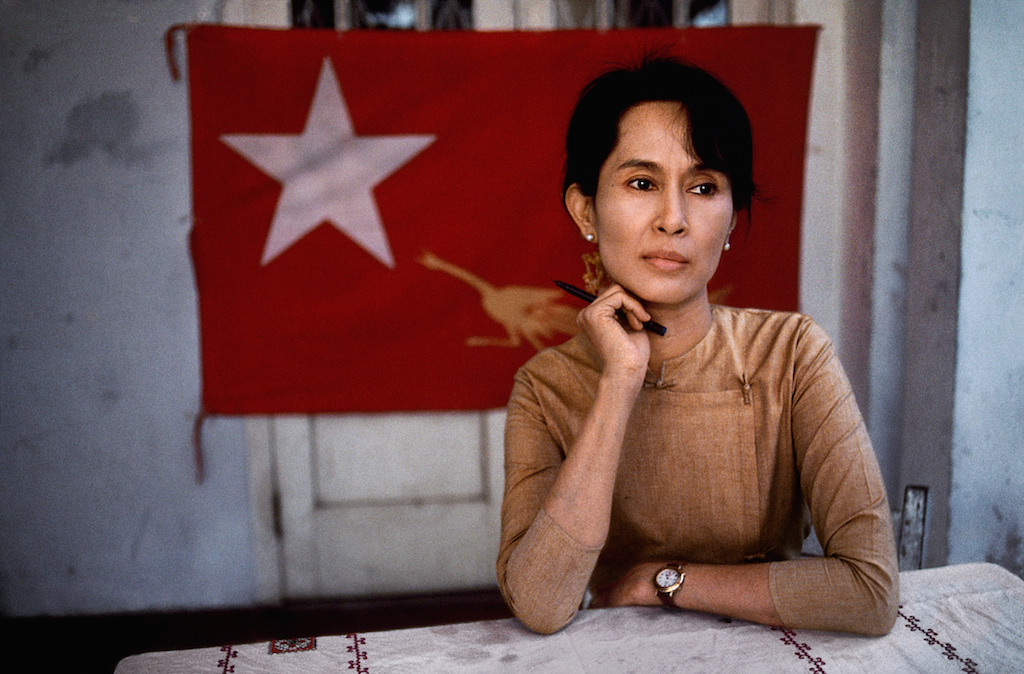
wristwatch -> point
(669, 579)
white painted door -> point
(364, 505)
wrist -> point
(622, 380)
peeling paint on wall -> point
(106, 124)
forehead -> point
(654, 124)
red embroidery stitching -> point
(292, 645)
(931, 637)
(224, 664)
(357, 641)
(789, 638)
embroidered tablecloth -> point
(964, 618)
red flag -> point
(378, 217)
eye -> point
(705, 189)
(642, 184)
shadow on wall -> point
(1011, 555)
(106, 124)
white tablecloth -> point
(966, 618)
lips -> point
(665, 259)
(666, 255)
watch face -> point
(667, 578)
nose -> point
(672, 219)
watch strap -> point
(666, 599)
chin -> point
(676, 297)
(655, 299)
(662, 292)
(659, 290)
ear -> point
(581, 208)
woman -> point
(680, 469)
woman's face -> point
(660, 218)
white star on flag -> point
(328, 173)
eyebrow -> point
(638, 163)
(654, 166)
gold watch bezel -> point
(670, 590)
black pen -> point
(650, 326)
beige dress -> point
(727, 449)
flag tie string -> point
(169, 44)
(197, 443)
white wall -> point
(892, 216)
(987, 499)
(821, 255)
(99, 379)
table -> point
(964, 618)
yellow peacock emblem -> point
(529, 312)
(525, 312)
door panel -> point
(395, 458)
(425, 522)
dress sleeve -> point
(542, 571)
(855, 586)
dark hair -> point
(719, 128)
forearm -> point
(836, 593)
(738, 591)
(555, 521)
(557, 510)
(580, 499)
(826, 593)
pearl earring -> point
(727, 246)
(590, 237)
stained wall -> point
(99, 379)
(987, 496)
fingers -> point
(633, 321)
(614, 324)
(618, 305)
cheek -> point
(621, 212)
(720, 218)
(615, 226)
(615, 248)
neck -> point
(686, 326)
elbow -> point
(868, 615)
(855, 598)
(541, 624)
(878, 608)
(536, 616)
(885, 595)
(880, 621)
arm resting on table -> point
(546, 596)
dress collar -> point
(678, 367)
